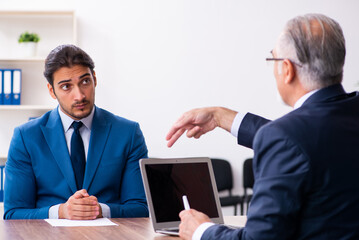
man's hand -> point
(200, 121)
(190, 221)
(80, 206)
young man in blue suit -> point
(306, 163)
(77, 161)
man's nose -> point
(78, 94)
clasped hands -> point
(80, 206)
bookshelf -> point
(31, 59)
(54, 28)
(26, 107)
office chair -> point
(248, 181)
(224, 180)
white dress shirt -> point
(85, 132)
(234, 131)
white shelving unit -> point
(54, 28)
(32, 59)
(26, 107)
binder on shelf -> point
(7, 77)
(16, 87)
(1, 88)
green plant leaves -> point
(29, 37)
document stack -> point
(10, 86)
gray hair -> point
(316, 42)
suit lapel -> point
(55, 138)
(99, 134)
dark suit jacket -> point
(306, 169)
(39, 173)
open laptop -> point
(167, 180)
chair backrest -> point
(223, 174)
(248, 177)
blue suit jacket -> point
(306, 169)
(39, 173)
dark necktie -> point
(78, 155)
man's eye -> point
(86, 81)
(65, 87)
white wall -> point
(158, 58)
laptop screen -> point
(169, 182)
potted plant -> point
(28, 42)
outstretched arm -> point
(200, 121)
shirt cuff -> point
(106, 212)
(236, 124)
(201, 229)
(54, 212)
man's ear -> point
(51, 91)
(288, 71)
(94, 77)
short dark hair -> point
(66, 55)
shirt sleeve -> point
(106, 212)
(237, 123)
(200, 230)
(54, 212)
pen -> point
(185, 202)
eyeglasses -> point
(281, 59)
(275, 59)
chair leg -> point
(242, 213)
(235, 210)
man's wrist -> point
(60, 215)
(224, 117)
(100, 211)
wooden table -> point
(128, 228)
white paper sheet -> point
(80, 223)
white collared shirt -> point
(85, 132)
(301, 100)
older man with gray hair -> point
(306, 163)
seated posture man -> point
(305, 163)
(77, 161)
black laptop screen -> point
(169, 182)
